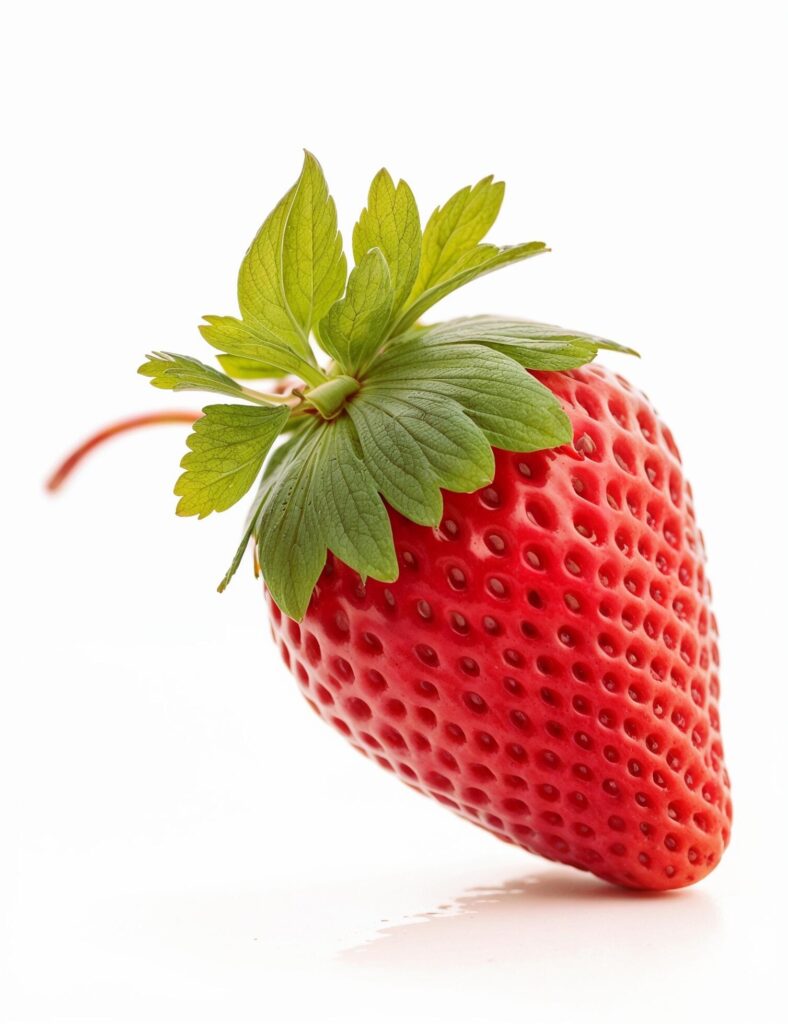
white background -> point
(185, 842)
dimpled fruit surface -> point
(546, 664)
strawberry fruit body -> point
(546, 663)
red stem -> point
(66, 468)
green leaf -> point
(296, 434)
(250, 369)
(238, 556)
(534, 345)
(414, 446)
(390, 222)
(236, 338)
(295, 268)
(514, 410)
(356, 324)
(456, 449)
(279, 458)
(173, 372)
(356, 526)
(397, 463)
(476, 263)
(227, 448)
(290, 545)
(455, 229)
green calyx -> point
(398, 412)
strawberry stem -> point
(329, 398)
(69, 464)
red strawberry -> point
(489, 579)
(546, 663)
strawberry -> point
(546, 662)
(480, 554)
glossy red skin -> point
(546, 663)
